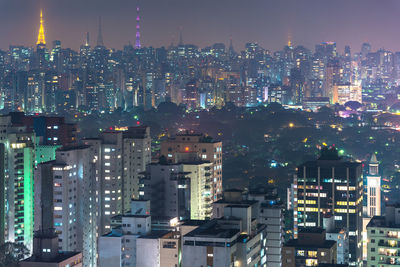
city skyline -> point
(268, 23)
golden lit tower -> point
(41, 38)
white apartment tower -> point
(66, 199)
(122, 154)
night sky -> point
(204, 22)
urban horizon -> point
(350, 30)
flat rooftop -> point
(62, 256)
(297, 244)
(213, 230)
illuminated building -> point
(310, 249)
(122, 155)
(314, 103)
(181, 190)
(66, 199)
(330, 185)
(204, 148)
(338, 235)
(373, 188)
(35, 92)
(332, 79)
(49, 130)
(17, 146)
(346, 92)
(136, 156)
(373, 199)
(236, 239)
(270, 213)
(383, 238)
(326, 50)
(136, 241)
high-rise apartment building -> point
(236, 239)
(67, 199)
(330, 185)
(384, 238)
(122, 154)
(270, 213)
(205, 148)
(178, 190)
(17, 147)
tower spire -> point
(41, 37)
(100, 35)
(137, 44)
(289, 43)
(87, 41)
(180, 35)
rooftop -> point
(213, 230)
(296, 243)
(62, 256)
(70, 148)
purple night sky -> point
(204, 22)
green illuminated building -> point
(17, 162)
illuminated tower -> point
(41, 38)
(137, 44)
(373, 188)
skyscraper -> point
(66, 199)
(17, 147)
(331, 185)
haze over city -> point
(268, 22)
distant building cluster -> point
(98, 79)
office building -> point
(343, 93)
(330, 185)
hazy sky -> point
(204, 22)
